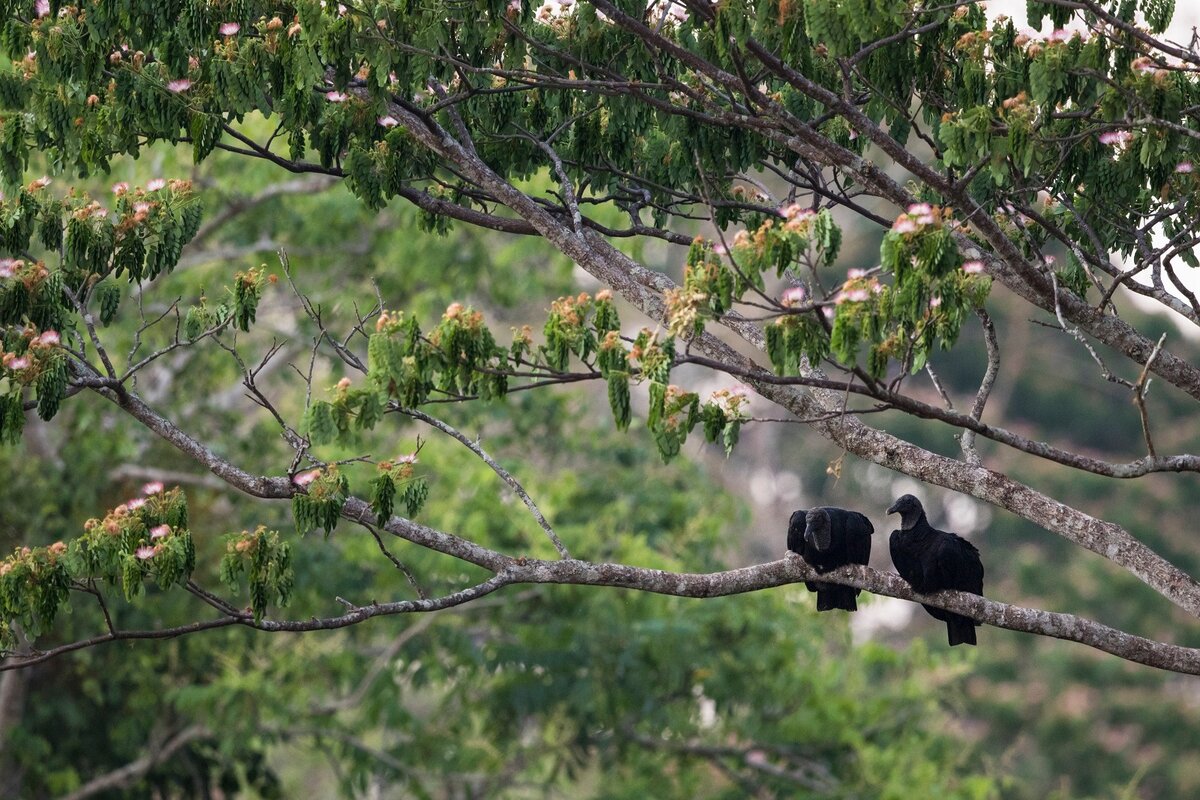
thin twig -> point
(1140, 387)
(504, 474)
(970, 453)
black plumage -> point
(934, 561)
(828, 538)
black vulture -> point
(828, 538)
(933, 561)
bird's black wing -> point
(858, 538)
(795, 534)
(904, 559)
(954, 563)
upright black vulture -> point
(933, 561)
(828, 538)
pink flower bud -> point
(305, 478)
(793, 296)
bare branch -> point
(156, 753)
(985, 386)
(504, 474)
(791, 569)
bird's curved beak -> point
(892, 509)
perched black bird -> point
(828, 538)
(933, 561)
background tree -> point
(585, 127)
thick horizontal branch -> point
(791, 569)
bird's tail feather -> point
(960, 630)
(831, 596)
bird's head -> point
(816, 528)
(910, 510)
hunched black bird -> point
(828, 538)
(933, 561)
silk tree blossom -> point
(934, 302)
(146, 552)
(923, 212)
(797, 216)
(389, 121)
(973, 267)
(229, 28)
(6, 267)
(135, 503)
(120, 188)
(179, 85)
(15, 362)
(48, 339)
(1119, 138)
(1060, 35)
(793, 296)
(41, 8)
(411, 458)
(305, 478)
(792, 210)
(153, 487)
(160, 531)
(1144, 64)
(1184, 166)
(905, 224)
(859, 295)
(854, 273)
(337, 97)
(40, 183)
(155, 185)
